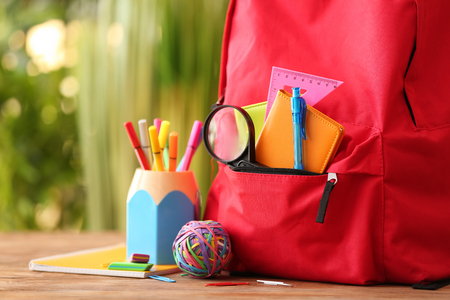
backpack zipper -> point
(331, 182)
(274, 171)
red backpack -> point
(387, 218)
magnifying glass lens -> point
(227, 133)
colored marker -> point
(145, 141)
(157, 123)
(153, 132)
(195, 149)
(166, 154)
(137, 147)
(298, 109)
(139, 258)
(227, 283)
(190, 149)
(162, 137)
(173, 149)
(129, 266)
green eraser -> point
(129, 266)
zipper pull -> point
(332, 177)
(331, 182)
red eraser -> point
(139, 258)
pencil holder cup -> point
(158, 205)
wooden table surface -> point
(18, 282)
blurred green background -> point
(71, 73)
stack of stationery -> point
(162, 196)
(290, 133)
(97, 262)
(323, 136)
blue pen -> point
(298, 109)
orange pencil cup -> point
(158, 205)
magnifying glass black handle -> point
(247, 155)
(246, 163)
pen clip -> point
(303, 109)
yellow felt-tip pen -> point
(156, 149)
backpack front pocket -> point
(271, 219)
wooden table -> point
(18, 282)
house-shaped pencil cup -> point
(158, 205)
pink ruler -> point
(313, 87)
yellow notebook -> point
(275, 147)
(257, 112)
(95, 262)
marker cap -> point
(163, 133)
(173, 144)
(132, 134)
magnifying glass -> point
(229, 136)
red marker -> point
(137, 146)
(227, 283)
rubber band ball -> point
(202, 248)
